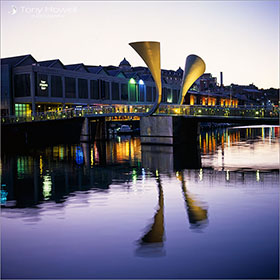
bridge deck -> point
(201, 113)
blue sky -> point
(240, 38)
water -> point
(119, 210)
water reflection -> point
(108, 190)
(55, 172)
(151, 244)
(197, 213)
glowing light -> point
(169, 99)
(41, 165)
(200, 174)
(4, 195)
(47, 186)
(141, 82)
(134, 175)
(92, 156)
(132, 81)
(79, 155)
(43, 85)
(61, 153)
(258, 175)
(143, 174)
(227, 175)
(157, 173)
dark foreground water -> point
(119, 210)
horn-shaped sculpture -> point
(150, 53)
(194, 68)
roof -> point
(17, 60)
(115, 73)
(179, 71)
(50, 63)
(96, 69)
(251, 90)
(76, 67)
(124, 62)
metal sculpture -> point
(150, 53)
(194, 68)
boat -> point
(124, 129)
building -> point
(28, 86)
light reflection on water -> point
(119, 210)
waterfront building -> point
(28, 86)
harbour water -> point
(122, 210)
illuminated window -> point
(141, 90)
(22, 110)
(132, 90)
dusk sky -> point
(239, 38)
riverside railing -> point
(257, 112)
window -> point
(94, 90)
(83, 88)
(132, 92)
(115, 91)
(56, 86)
(22, 110)
(154, 94)
(168, 95)
(42, 87)
(22, 85)
(70, 87)
(105, 94)
(149, 94)
(164, 95)
(141, 92)
(124, 93)
(175, 96)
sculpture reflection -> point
(151, 244)
(198, 216)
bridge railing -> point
(241, 111)
(136, 110)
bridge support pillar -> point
(98, 128)
(156, 130)
(170, 142)
(168, 130)
(85, 131)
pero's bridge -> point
(239, 114)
